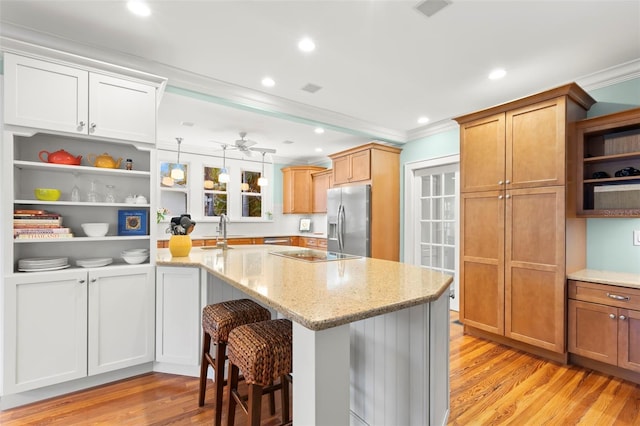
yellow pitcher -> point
(104, 160)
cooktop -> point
(309, 255)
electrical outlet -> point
(636, 237)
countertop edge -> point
(620, 279)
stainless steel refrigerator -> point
(348, 220)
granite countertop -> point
(165, 237)
(317, 295)
(621, 279)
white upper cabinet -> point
(50, 96)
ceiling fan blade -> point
(264, 150)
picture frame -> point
(305, 225)
(133, 222)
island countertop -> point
(318, 295)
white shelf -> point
(83, 239)
(82, 204)
(31, 165)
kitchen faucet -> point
(222, 229)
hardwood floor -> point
(490, 385)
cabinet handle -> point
(618, 297)
(500, 197)
(622, 317)
(612, 316)
(93, 127)
(93, 280)
(81, 281)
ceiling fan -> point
(246, 146)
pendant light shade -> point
(262, 181)
(224, 177)
(177, 173)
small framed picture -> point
(305, 225)
(133, 222)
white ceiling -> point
(381, 64)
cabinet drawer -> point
(611, 295)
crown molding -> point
(610, 76)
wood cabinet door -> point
(297, 191)
(121, 109)
(629, 339)
(361, 166)
(534, 267)
(121, 318)
(593, 331)
(536, 144)
(482, 154)
(44, 95)
(321, 182)
(342, 170)
(45, 329)
(482, 260)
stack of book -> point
(38, 224)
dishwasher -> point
(279, 241)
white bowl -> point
(95, 229)
(134, 259)
(136, 251)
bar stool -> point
(217, 321)
(262, 351)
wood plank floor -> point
(490, 385)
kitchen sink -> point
(309, 255)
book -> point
(51, 221)
(43, 236)
(35, 225)
(41, 231)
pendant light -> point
(177, 173)
(262, 181)
(224, 177)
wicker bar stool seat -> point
(217, 322)
(263, 352)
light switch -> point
(636, 237)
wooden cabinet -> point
(313, 243)
(607, 146)
(519, 235)
(89, 322)
(297, 191)
(378, 165)
(604, 324)
(59, 97)
(321, 182)
(352, 167)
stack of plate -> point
(95, 262)
(38, 264)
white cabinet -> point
(178, 316)
(64, 326)
(121, 318)
(57, 97)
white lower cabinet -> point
(178, 316)
(69, 324)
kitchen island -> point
(370, 337)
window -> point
(215, 193)
(251, 194)
(174, 194)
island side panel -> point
(400, 366)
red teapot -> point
(59, 157)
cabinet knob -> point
(81, 124)
(81, 281)
(500, 197)
(93, 127)
(500, 182)
(508, 196)
(622, 317)
(507, 182)
(93, 280)
(612, 316)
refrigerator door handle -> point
(341, 220)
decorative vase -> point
(180, 245)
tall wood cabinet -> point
(518, 223)
(378, 165)
(297, 189)
(322, 181)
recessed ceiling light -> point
(268, 82)
(319, 130)
(187, 123)
(138, 8)
(287, 142)
(423, 120)
(306, 45)
(318, 149)
(497, 74)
